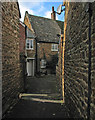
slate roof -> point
(61, 25)
(46, 30)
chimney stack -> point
(53, 14)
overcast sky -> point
(42, 9)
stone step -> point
(43, 100)
(54, 96)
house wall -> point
(59, 65)
(46, 48)
(22, 38)
(76, 59)
(31, 53)
(44, 51)
(12, 80)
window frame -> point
(54, 47)
(30, 48)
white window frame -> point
(29, 41)
(43, 63)
(54, 47)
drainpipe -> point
(89, 67)
(36, 57)
(62, 65)
(61, 51)
(25, 56)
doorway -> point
(30, 67)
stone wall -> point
(77, 58)
(22, 38)
(93, 61)
(12, 81)
(59, 65)
(22, 51)
(45, 48)
(32, 52)
(44, 52)
(0, 61)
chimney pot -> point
(52, 9)
(53, 14)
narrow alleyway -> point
(47, 84)
(42, 100)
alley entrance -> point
(43, 99)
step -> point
(41, 97)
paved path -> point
(32, 109)
(47, 84)
(43, 99)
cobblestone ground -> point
(27, 108)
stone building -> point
(12, 80)
(30, 52)
(78, 69)
(45, 34)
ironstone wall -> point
(59, 65)
(76, 58)
(0, 61)
(12, 80)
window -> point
(29, 44)
(54, 47)
(43, 63)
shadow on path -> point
(36, 109)
(32, 109)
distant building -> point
(30, 52)
(43, 44)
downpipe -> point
(89, 66)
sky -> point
(42, 9)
